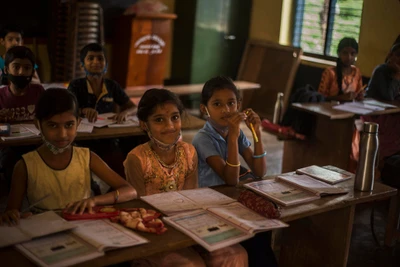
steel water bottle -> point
(278, 110)
(369, 144)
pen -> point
(35, 203)
(252, 130)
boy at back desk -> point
(97, 94)
(17, 100)
(11, 36)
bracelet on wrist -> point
(232, 165)
(260, 156)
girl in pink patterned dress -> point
(166, 163)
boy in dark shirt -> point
(11, 36)
(95, 93)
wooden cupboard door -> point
(148, 51)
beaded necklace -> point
(168, 166)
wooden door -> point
(209, 39)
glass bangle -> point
(260, 156)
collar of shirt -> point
(212, 132)
(103, 90)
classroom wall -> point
(379, 28)
(266, 20)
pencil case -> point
(5, 129)
(100, 212)
(259, 204)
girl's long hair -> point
(345, 42)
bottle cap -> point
(371, 127)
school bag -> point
(301, 121)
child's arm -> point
(256, 160)
(134, 174)
(229, 170)
(123, 190)
(191, 181)
(16, 196)
(121, 98)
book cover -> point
(323, 174)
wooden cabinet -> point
(140, 49)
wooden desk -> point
(319, 232)
(330, 141)
(169, 241)
(185, 89)
(189, 122)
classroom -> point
(200, 133)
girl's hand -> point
(234, 123)
(90, 114)
(11, 217)
(253, 118)
(80, 206)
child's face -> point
(11, 39)
(221, 106)
(20, 67)
(60, 130)
(95, 62)
(348, 56)
(165, 123)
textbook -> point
(104, 120)
(212, 219)
(325, 174)
(33, 227)
(21, 131)
(222, 226)
(87, 241)
(292, 189)
(174, 202)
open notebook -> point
(87, 241)
(33, 227)
(105, 120)
(21, 131)
(212, 219)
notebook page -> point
(43, 224)
(206, 197)
(104, 234)
(170, 202)
(10, 235)
(85, 128)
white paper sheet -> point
(206, 196)
(104, 234)
(246, 218)
(85, 128)
(170, 202)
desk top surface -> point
(326, 109)
(189, 122)
(184, 89)
(174, 239)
